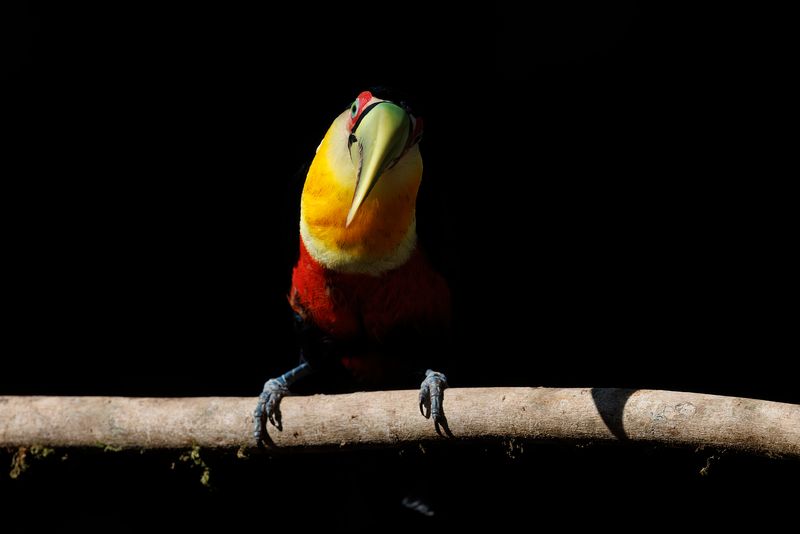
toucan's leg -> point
(269, 402)
(431, 398)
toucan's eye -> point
(353, 109)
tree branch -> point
(391, 418)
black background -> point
(598, 189)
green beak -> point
(381, 137)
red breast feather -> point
(347, 305)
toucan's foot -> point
(431, 399)
(269, 407)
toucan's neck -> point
(357, 259)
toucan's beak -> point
(381, 137)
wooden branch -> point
(391, 418)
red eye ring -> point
(358, 108)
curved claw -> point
(425, 401)
(431, 399)
(441, 426)
(268, 408)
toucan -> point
(364, 296)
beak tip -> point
(350, 216)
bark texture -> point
(392, 418)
